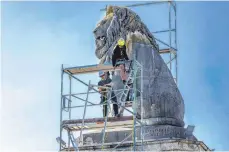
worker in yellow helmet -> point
(119, 55)
(121, 42)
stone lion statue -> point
(162, 101)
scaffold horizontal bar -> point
(98, 120)
(98, 127)
(81, 93)
(163, 51)
(90, 68)
(162, 31)
(82, 100)
(141, 4)
(165, 44)
(127, 104)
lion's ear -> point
(109, 10)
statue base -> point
(158, 138)
(151, 145)
(148, 133)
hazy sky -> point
(37, 37)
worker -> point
(106, 82)
(119, 55)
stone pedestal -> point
(157, 145)
(148, 133)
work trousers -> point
(104, 110)
(114, 102)
(115, 108)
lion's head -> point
(119, 22)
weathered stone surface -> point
(156, 145)
(149, 132)
(161, 97)
(161, 132)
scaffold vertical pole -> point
(69, 107)
(170, 54)
(84, 113)
(175, 12)
(70, 96)
(69, 140)
(61, 99)
(142, 107)
(105, 124)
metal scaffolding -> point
(71, 125)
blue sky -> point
(37, 37)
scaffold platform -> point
(104, 124)
(98, 123)
(90, 68)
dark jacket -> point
(104, 95)
(119, 53)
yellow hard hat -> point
(121, 42)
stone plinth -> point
(159, 145)
(148, 133)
